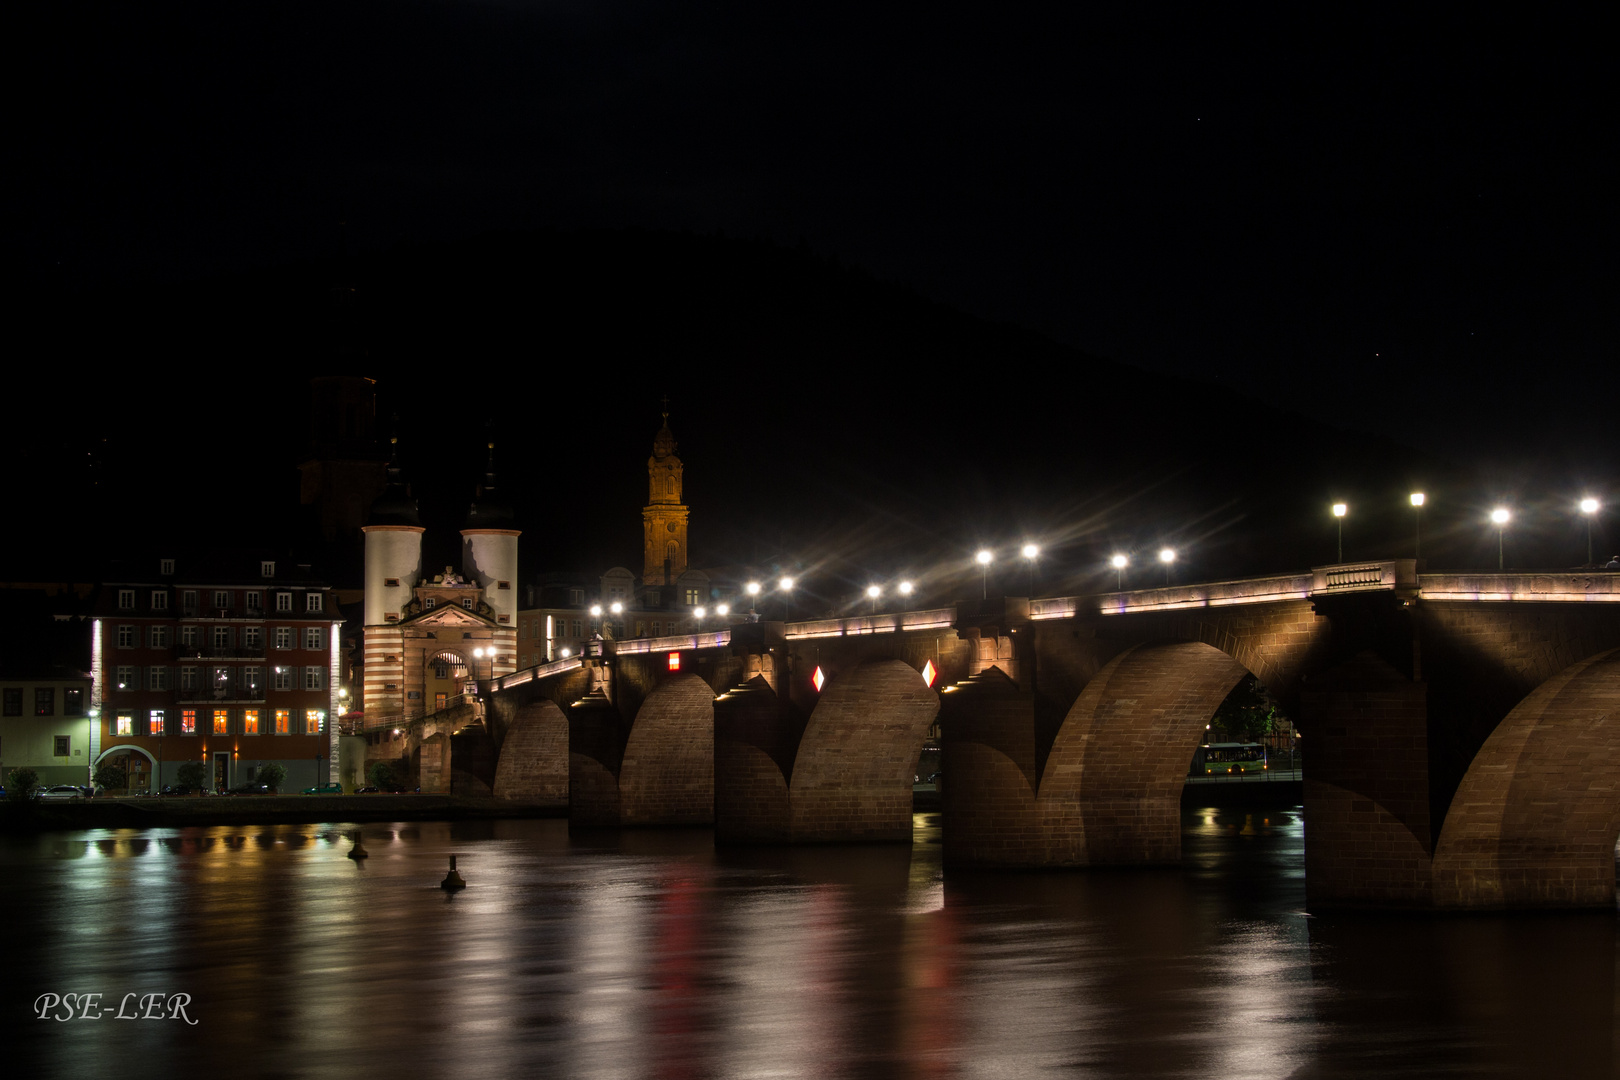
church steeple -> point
(664, 517)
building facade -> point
(46, 725)
(230, 661)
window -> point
(466, 602)
(188, 721)
(157, 678)
(283, 678)
(284, 637)
(222, 722)
(503, 584)
(390, 616)
(253, 682)
(312, 637)
(126, 599)
(158, 637)
(188, 599)
(13, 705)
(126, 637)
(126, 677)
(579, 628)
(284, 601)
(124, 724)
(44, 701)
(222, 599)
(160, 600)
(222, 637)
(165, 566)
(250, 721)
(314, 721)
(188, 636)
(62, 747)
(392, 583)
(255, 601)
(253, 637)
(188, 677)
(312, 602)
(576, 597)
(267, 569)
(693, 596)
(314, 678)
(73, 701)
(154, 722)
(223, 680)
(283, 721)
(430, 603)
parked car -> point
(249, 788)
(325, 789)
(60, 793)
(173, 790)
(368, 790)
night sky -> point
(1398, 226)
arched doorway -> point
(447, 679)
(140, 767)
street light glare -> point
(1589, 506)
(1417, 498)
(700, 612)
(1119, 562)
(1500, 516)
(905, 588)
(617, 608)
(1030, 551)
(596, 609)
(1339, 509)
(1167, 555)
(874, 591)
(984, 558)
(785, 584)
(753, 588)
(722, 609)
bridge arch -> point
(667, 775)
(1535, 820)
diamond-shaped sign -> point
(819, 679)
(929, 673)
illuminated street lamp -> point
(1589, 507)
(722, 610)
(786, 585)
(1120, 563)
(905, 591)
(872, 593)
(752, 589)
(1029, 552)
(984, 558)
(1499, 517)
(1167, 556)
(1339, 510)
(1417, 511)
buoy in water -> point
(452, 881)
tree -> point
(381, 774)
(189, 776)
(271, 776)
(20, 783)
(1247, 713)
(110, 776)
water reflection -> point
(650, 953)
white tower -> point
(489, 550)
(393, 566)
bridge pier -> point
(655, 770)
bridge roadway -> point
(1461, 730)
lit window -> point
(126, 637)
(674, 661)
(314, 678)
(160, 600)
(284, 637)
(312, 637)
(313, 721)
(250, 721)
(312, 602)
(283, 721)
(222, 722)
(126, 599)
(154, 722)
(157, 678)
(188, 721)
(124, 724)
(283, 601)
(692, 596)
(45, 701)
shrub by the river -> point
(20, 782)
(272, 776)
(111, 777)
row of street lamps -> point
(1499, 516)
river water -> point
(651, 953)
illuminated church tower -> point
(664, 517)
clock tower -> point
(664, 517)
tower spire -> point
(664, 516)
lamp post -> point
(905, 591)
(1589, 507)
(1030, 551)
(872, 593)
(1120, 563)
(984, 558)
(752, 589)
(786, 585)
(1417, 512)
(1167, 556)
(1339, 510)
(1499, 517)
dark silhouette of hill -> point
(827, 420)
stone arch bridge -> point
(1463, 730)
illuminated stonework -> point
(664, 517)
